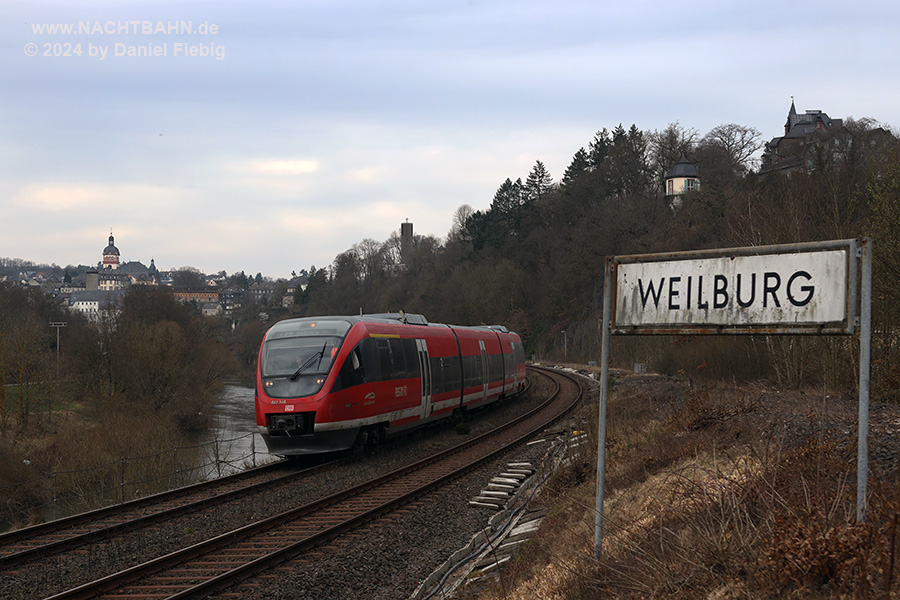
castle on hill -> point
(112, 274)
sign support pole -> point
(646, 304)
(865, 354)
(605, 327)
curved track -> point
(71, 532)
(200, 570)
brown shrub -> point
(805, 553)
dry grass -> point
(717, 492)
(74, 462)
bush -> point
(463, 428)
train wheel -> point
(459, 414)
(375, 434)
(371, 446)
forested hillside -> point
(534, 260)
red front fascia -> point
(318, 402)
(365, 400)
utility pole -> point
(58, 325)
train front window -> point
(297, 356)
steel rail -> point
(102, 521)
(95, 518)
(370, 509)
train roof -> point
(415, 319)
(408, 319)
(402, 316)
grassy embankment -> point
(717, 492)
(82, 455)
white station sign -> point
(771, 290)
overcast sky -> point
(309, 126)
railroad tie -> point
(478, 501)
(521, 465)
(501, 550)
(495, 494)
(506, 480)
(501, 488)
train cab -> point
(328, 383)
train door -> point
(425, 369)
(484, 372)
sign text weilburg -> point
(771, 290)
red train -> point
(325, 384)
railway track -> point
(219, 562)
(48, 538)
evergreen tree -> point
(538, 182)
(577, 169)
(507, 204)
(599, 148)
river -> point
(234, 440)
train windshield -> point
(299, 355)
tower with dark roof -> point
(801, 130)
(683, 177)
(111, 254)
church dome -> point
(111, 249)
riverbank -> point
(78, 459)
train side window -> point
(472, 370)
(398, 360)
(383, 354)
(495, 367)
(445, 374)
(405, 358)
(519, 352)
(352, 371)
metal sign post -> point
(865, 356)
(786, 289)
(604, 392)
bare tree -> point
(370, 256)
(4, 369)
(739, 142)
(460, 217)
(26, 336)
(669, 145)
(188, 278)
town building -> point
(682, 178)
(103, 287)
(790, 151)
(232, 300)
(96, 305)
(116, 275)
(261, 291)
(139, 274)
(111, 254)
(198, 296)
